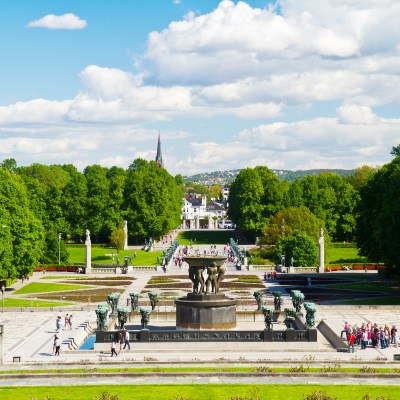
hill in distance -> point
(227, 177)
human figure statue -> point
(196, 276)
(277, 301)
(101, 313)
(321, 232)
(215, 276)
(145, 313)
(311, 309)
(268, 316)
(297, 299)
(291, 262)
(134, 301)
(122, 317)
(87, 235)
(112, 300)
(290, 316)
(258, 297)
(153, 296)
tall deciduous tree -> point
(117, 238)
(301, 247)
(378, 221)
(292, 219)
(331, 199)
(255, 195)
(152, 200)
(21, 232)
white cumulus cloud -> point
(65, 21)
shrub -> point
(319, 396)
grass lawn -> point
(203, 392)
(77, 255)
(370, 286)
(205, 237)
(11, 303)
(72, 276)
(382, 301)
(344, 255)
(39, 287)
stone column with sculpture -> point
(125, 235)
(88, 244)
(321, 248)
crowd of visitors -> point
(369, 334)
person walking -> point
(113, 347)
(57, 345)
(126, 339)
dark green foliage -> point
(255, 195)
(330, 198)
(300, 246)
(21, 233)
(152, 200)
(378, 222)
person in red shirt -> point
(350, 340)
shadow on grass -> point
(205, 237)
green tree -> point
(292, 219)
(50, 254)
(215, 191)
(21, 233)
(97, 201)
(300, 246)
(117, 238)
(152, 200)
(378, 220)
(360, 176)
(245, 202)
(395, 150)
(10, 164)
(73, 204)
(329, 197)
(255, 195)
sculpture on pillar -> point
(215, 276)
(277, 301)
(297, 299)
(196, 276)
(153, 296)
(290, 316)
(112, 300)
(134, 301)
(145, 313)
(268, 317)
(258, 297)
(101, 313)
(311, 309)
(122, 317)
(87, 236)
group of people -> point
(66, 324)
(269, 276)
(123, 339)
(369, 334)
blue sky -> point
(287, 84)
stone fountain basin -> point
(202, 261)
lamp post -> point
(2, 295)
(1, 345)
(59, 248)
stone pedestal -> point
(125, 235)
(88, 262)
(205, 311)
(197, 222)
(321, 246)
(191, 224)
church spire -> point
(159, 160)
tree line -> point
(38, 202)
(362, 208)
